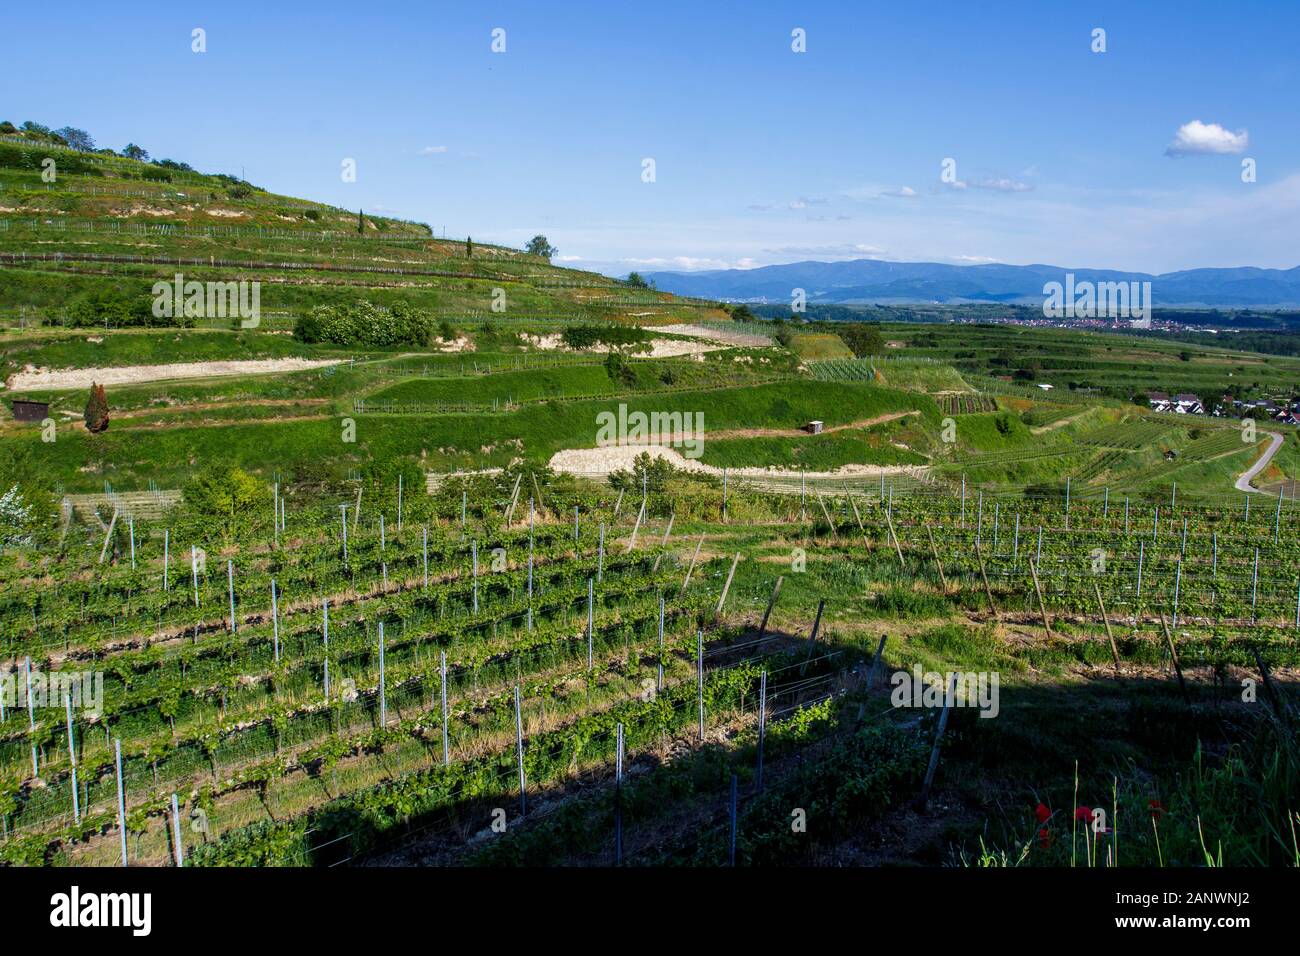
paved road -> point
(1243, 483)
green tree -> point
(77, 138)
(862, 338)
(223, 499)
(637, 281)
(132, 151)
(540, 246)
(469, 248)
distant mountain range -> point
(872, 281)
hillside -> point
(108, 226)
(387, 564)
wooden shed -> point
(25, 411)
(813, 428)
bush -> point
(96, 413)
(589, 336)
(365, 324)
(223, 499)
(112, 308)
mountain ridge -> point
(863, 281)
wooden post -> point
(519, 749)
(230, 589)
(356, 511)
(618, 796)
(514, 496)
(473, 551)
(618, 504)
(699, 678)
(72, 759)
(988, 592)
(1114, 651)
(1173, 654)
(897, 547)
(691, 566)
(727, 586)
(659, 681)
(662, 543)
(834, 536)
(31, 716)
(383, 684)
(1279, 708)
(325, 628)
(866, 542)
(121, 798)
(178, 852)
(771, 603)
(108, 536)
(590, 621)
(442, 688)
(167, 552)
(923, 801)
(424, 550)
(877, 661)
(812, 640)
(934, 552)
(631, 542)
(1038, 589)
(762, 729)
(275, 621)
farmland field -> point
(501, 563)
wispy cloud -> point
(1201, 139)
(1002, 184)
(433, 150)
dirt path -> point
(796, 432)
(716, 335)
(602, 461)
(1243, 483)
(44, 378)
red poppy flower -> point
(1044, 838)
(1042, 813)
(1155, 808)
(1083, 813)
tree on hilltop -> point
(539, 245)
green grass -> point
(811, 345)
(814, 452)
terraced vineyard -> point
(325, 695)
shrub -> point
(365, 324)
(589, 336)
(96, 413)
(222, 499)
(112, 308)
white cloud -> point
(902, 192)
(1197, 138)
(432, 150)
(799, 204)
(845, 250)
(1002, 184)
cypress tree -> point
(96, 414)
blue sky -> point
(762, 155)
